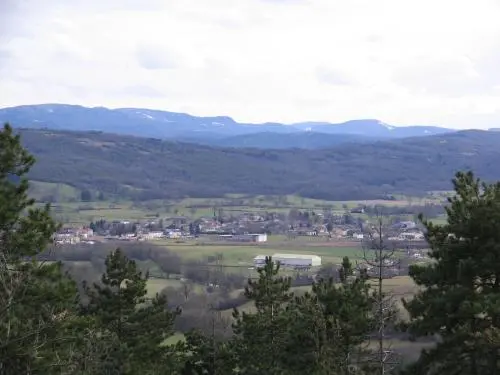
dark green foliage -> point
(461, 299)
(36, 300)
(331, 325)
(347, 309)
(86, 196)
(307, 347)
(301, 140)
(319, 333)
(263, 335)
(136, 326)
(161, 169)
(208, 356)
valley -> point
(185, 209)
(260, 187)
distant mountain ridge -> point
(217, 130)
(372, 128)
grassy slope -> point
(40, 190)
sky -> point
(404, 62)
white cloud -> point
(404, 62)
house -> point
(210, 227)
(66, 239)
(72, 235)
(404, 225)
(411, 236)
(305, 232)
(85, 233)
(321, 229)
(152, 235)
(174, 234)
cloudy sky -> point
(401, 61)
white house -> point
(85, 233)
(174, 234)
(152, 235)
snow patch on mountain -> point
(145, 115)
(387, 126)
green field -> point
(79, 213)
(236, 253)
(51, 191)
(69, 208)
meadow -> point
(237, 253)
(69, 209)
(237, 258)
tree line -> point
(49, 326)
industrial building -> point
(290, 260)
(262, 237)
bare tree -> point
(187, 288)
(380, 263)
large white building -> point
(249, 237)
(290, 260)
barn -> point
(290, 260)
(262, 237)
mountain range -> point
(215, 131)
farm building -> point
(290, 260)
(254, 237)
(244, 237)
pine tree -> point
(328, 328)
(261, 336)
(137, 327)
(208, 356)
(460, 297)
(348, 312)
(36, 299)
(307, 348)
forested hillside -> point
(146, 168)
(269, 140)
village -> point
(247, 227)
